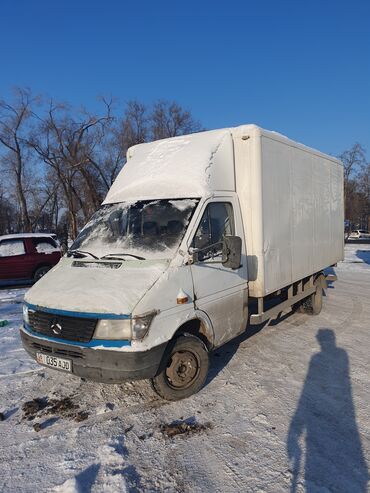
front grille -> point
(60, 352)
(71, 328)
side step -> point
(261, 317)
(302, 291)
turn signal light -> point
(182, 298)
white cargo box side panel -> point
(302, 218)
(292, 203)
(321, 178)
(277, 204)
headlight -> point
(25, 314)
(130, 329)
(113, 329)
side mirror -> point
(231, 252)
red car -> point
(27, 257)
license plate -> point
(54, 362)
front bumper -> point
(100, 365)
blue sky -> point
(298, 67)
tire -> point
(183, 370)
(313, 304)
(40, 272)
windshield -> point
(149, 229)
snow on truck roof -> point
(179, 167)
(17, 236)
(187, 166)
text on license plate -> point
(54, 362)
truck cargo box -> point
(291, 199)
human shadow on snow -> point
(86, 478)
(325, 421)
(129, 471)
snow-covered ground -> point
(285, 409)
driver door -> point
(219, 291)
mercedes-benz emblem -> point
(56, 327)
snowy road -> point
(288, 390)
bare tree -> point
(354, 163)
(134, 126)
(364, 188)
(66, 143)
(7, 212)
(169, 119)
(14, 126)
(120, 134)
(112, 156)
(353, 159)
(44, 204)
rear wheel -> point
(313, 304)
(40, 272)
(184, 369)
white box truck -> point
(199, 237)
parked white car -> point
(359, 234)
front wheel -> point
(183, 370)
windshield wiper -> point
(81, 253)
(117, 256)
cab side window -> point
(217, 222)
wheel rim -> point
(183, 369)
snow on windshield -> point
(150, 229)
